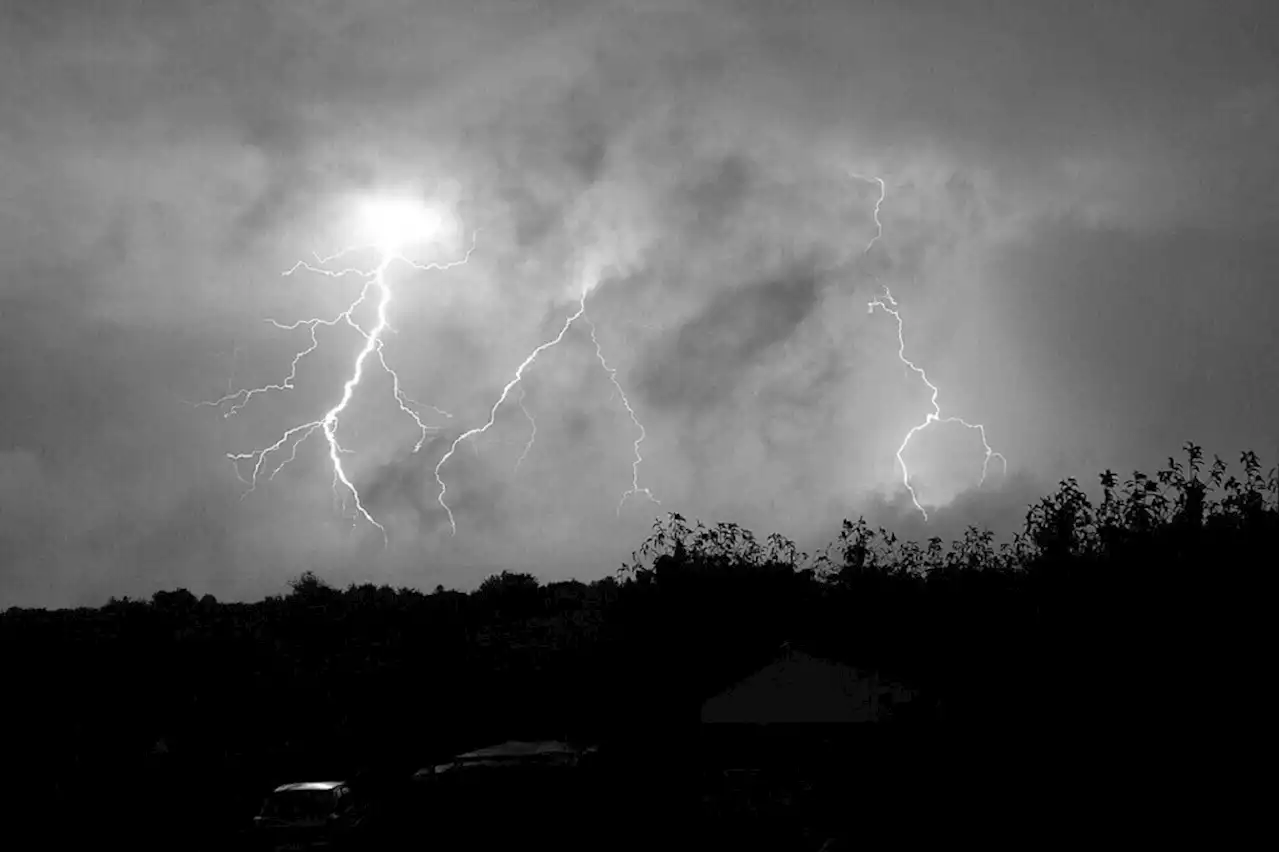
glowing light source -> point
(393, 223)
(393, 226)
(390, 225)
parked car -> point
(514, 794)
(308, 815)
(517, 754)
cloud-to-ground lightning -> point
(533, 431)
(890, 306)
(375, 281)
(580, 313)
(626, 403)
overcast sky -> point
(1079, 225)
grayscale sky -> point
(1079, 227)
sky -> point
(1077, 223)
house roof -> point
(800, 687)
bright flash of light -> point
(580, 313)
(389, 226)
(890, 306)
(390, 223)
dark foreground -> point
(1100, 680)
(749, 789)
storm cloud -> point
(694, 366)
(1078, 224)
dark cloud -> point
(405, 483)
(695, 366)
(711, 198)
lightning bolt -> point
(890, 306)
(533, 431)
(626, 403)
(375, 282)
(875, 212)
(580, 313)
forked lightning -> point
(890, 306)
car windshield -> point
(299, 804)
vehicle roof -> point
(308, 785)
(515, 749)
(510, 753)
